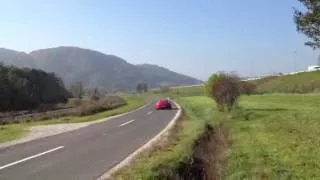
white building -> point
(313, 68)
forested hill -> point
(28, 88)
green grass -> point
(11, 132)
(162, 162)
(298, 83)
(14, 131)
(185, 91)
(276, 137)
(189, 91)
(259, 82)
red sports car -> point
(162, 104)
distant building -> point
(314, 68)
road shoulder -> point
(43, 131)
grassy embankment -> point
(307, 82)
(275, 137)
(271, 136)
(14, 131)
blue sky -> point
(194, 37)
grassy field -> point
(298, 83)
(11, 132)
(14, 131)
(185, 92)
(189, 91)
(271, 137)
(275, 137)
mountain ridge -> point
(94, 69)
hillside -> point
(94, 69)
(16, 58)
(307, 82)
(154, 73)
(298, 83)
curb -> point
(146, 146)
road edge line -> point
(126, 161)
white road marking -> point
(123, 124)
(31, 157)
(149, 112)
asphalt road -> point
(86, 153)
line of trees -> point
(142, 87)
(22, 89)
(77, 90)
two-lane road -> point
(86, 153)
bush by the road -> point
(88, 107)
(247, 88)
(225, 89)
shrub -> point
(75, 102)
(164, 89)
(247, 88)
(225, 89)
(95, 96)
(89, 107)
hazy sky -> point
(194, 37)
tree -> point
(145, 87)
(164, 89)
(139, 88)
(95, 96)
(308, 22)
(224, 89)
(28, 88)
(77, 90)
(248, 88)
